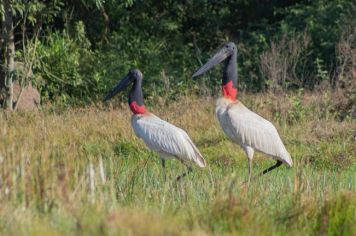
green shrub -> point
(66, 71)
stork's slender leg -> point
(249, 152)
(184, 174)
(260, 174)
(249, 170)
(279, 163)
(164, 168)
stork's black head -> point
(225, 52)
(133, 76)
(135, 95)
(136, 74)
(230, 47)
(229, 79)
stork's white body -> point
(243, 126)
(166, 139)
(250, 131)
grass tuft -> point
(83, 172)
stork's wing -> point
(250, 129)
(164, 137)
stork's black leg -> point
(184, 174)
(164, 168)
(278, 164)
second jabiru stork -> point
(160, 136)
(244, 127)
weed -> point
(83, 172)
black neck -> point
(135, 94)
(230, 70)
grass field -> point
(83, 172)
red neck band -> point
(229, 91)
(137, 109)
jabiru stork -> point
(242, 126)
(159, 135)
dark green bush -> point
(80, 57)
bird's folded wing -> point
(257, 132)
(162, 136)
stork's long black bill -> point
(120, 86)
(216, 59)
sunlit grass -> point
(82, 171)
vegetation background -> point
(74, 167)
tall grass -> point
(83, 172)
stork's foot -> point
(245, 184)
(184, 174)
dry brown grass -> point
(280, 63)
(83, 171)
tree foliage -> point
(79, 57)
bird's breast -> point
(228, 123)
(222, 105)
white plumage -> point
(166, 139)
(160, 136)
(243, 126)
(250, 130)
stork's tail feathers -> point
(201, 161)
(288, 160)
(198, 158)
